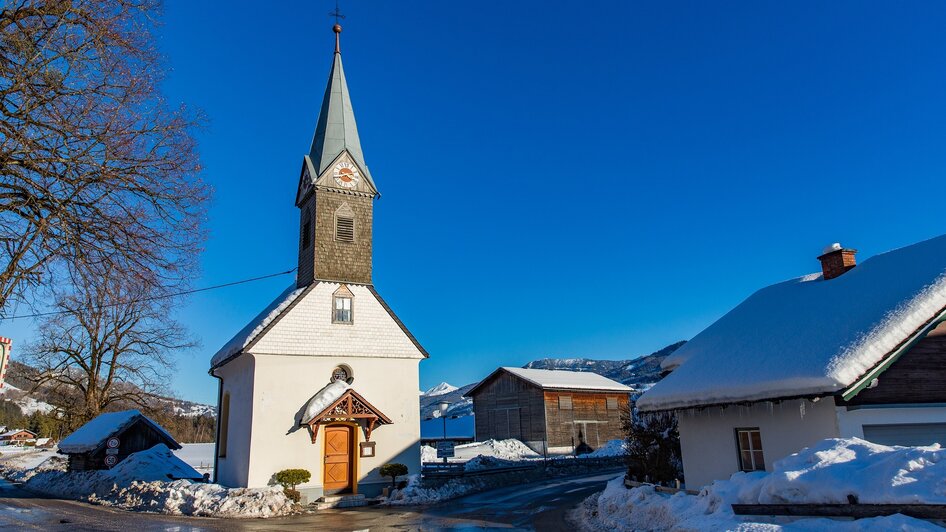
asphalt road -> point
(536, 506)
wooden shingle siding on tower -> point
(342, 261)
(546, 414)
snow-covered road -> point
(536, 506)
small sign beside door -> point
(366, 449)
(445, 449)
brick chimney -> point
(835, 260)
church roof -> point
(336, 130)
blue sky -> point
(561, 179)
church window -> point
(342, 311)
(306, 229)
(341, 373)
(344, 229)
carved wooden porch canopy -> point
(351, 406)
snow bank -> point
(807, 336)
(609, 449)
(511, 449)
(140, 483)
(428, 454)
(825, 473)
(415, 494)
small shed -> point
(17, 437)
(551, 411)
(110, 438)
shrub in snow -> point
(653, 446)
(393, 471)
(290, 478)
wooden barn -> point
(549, 410)
(110, 438)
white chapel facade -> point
(326, 377)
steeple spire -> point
(335, 130)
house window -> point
(224, 426)
(750, 449)
(612, 403)
(342, 311)
(344, 229)
(564, 402)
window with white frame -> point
(749, 441)
(342, 310)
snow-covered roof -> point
(90, 436)
(551, 379)
(808, 336)
(257, 324)
(13, 432)
(324, 398)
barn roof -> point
(549, 379)
(95, 433)
(810, 336)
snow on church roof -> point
(808, 336)
(257, 324)
(559, 379)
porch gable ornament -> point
(351, 407)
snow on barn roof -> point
(808, 336)
(257, 324)
(90, 436)
(550, 379)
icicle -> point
(801, 408)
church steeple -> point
(336, 193)
(336, 130)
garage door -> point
(906, 434)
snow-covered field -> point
(825, 473)
(200, 456)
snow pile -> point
(428, 454)
(825, 473)
(440, 389)
(415, 494)
(808, 336)
(511, 449)
(140, 483)
(21, 466)
(94, 433)
(486, 462)
(610, 449)
(257, 324)
(324, 399)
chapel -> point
(325, 378)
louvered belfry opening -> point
(344, 229)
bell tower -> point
(336, 193)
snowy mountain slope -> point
(28, 405)
(440, 389)
(459, 405)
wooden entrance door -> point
(338, 458)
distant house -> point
(110, 438)
(549, 410)
(853, 351)
(17, 437)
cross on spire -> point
(337, 13)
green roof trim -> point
(336, 131)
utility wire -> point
(152, 298)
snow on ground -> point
(609, 449)
(510, 449)
(825, 473)
(415, 494)
(200, 456)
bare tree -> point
(97, 172)
(113, 344)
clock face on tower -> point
(346, 175)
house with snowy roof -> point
(325, 378)
(17, 437)
(552, 411)
(851, 351)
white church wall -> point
(307, 329)
(238, 383)
(285, 383)
(708, 437)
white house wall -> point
(283, 386)
(851, 422)
(307, 328)
(708, 437)
(238, 382)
